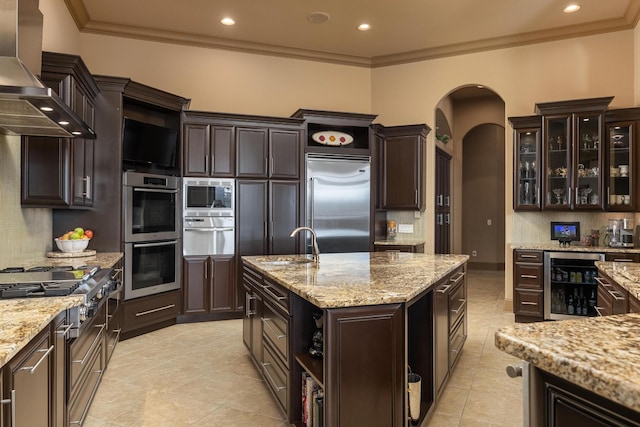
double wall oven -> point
(153, 247)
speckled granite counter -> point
(573, 248)
(22, 319)
(599, 354)
(101, 259)
(357, 279)
(410, 242)
(626, 274)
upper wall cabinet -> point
(560, 156)
(621, 159)
(209, 149)
(572, 132)
(59, 172)
(402, 167)
(526, 169)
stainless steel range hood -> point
(27, 106)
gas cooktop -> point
(43, 282)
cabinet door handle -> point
(439, 219)
(439, 200)
(528, 276)
(206, 163)
(528, 256)
(66, 330)
(416, 198)
(455, 280)
(598, 310)
(447, 219)
(271, 380)
(622, 260)
(155, 310)
(33, 368)
(206, 271)
(248, 298)
(12, 401)
(266, 322)
(600, 282)
(93, 345)
(443, 289)
(447, 201)
(528, 303)
(87, 187)
(463, 302)
(271, 294)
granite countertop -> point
(626, 274)
(599, 354)
(21, 319)
(396, 242)
(359, 278)
(572, 248)
(101, 259)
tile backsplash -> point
(25, 234)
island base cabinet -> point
(364, 373)
(568, 405)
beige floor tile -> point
(201, 374)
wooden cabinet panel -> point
(150, 310)
(612, 298)
(528, 303)
(251, 217)
(28, 382)
(365, 348)
(284, 154)
(621, 257)
(527, 157)
(223, 285)
(284, 216)
(443, 203)
(195, 284)
(528, 284)
(252, 152)
(441, 320)
(529, 276)
(403, 167)
(209, 150)
(634, 305)
(223, 152)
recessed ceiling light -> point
(572, 8)
(318, 17)
(75, 132)
(63, 122)
(227, 21)
(364, 27)
(47, 109)
(480, 87)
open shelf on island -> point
(312, 366)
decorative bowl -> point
(72, 245)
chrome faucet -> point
(316, 251)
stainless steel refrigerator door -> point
(339, 203)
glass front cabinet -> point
(620, 167)
(527, 183)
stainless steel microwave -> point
(208, 197)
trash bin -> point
(414, 388)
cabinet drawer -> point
(149, 310)
(276, 376)
(528, 256)
(528, 303)
(275, 329)
(83, 350)
(621, 257)
(456, 341)
(276, 294)
(611, 299)
(528, 276)
(457, 298)
(252, 277)
(79, 406)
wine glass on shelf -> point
(559, 192)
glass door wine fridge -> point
(570, 287)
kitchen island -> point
(579, 370)
(381, 314)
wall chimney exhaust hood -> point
(27, 106)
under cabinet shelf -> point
(312, 366)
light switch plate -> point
(405, 228)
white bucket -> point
(414, 388)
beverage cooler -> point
(570, 287)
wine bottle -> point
(570, 308)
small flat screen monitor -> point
(565, 231)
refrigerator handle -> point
(311, 190)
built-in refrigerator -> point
(338, 202)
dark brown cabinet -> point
(621, 159)
(528, 285)
(268, 153)
(208, 284)
(612, 298)
(209, 150)
(29, 383)
(443, 203)
(141, 315)
(558, 403)
(59, 172)
(527, 157)
(403, 171)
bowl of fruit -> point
(76, 240)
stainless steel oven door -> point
(151, 207)
(152, 268)
(208, 236)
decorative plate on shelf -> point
(332, 137)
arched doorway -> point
(466, 115)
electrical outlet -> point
(488, 222)
(474, 253)
(405, 228)
(416, 214)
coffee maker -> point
(620, 233)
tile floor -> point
(200, 374)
